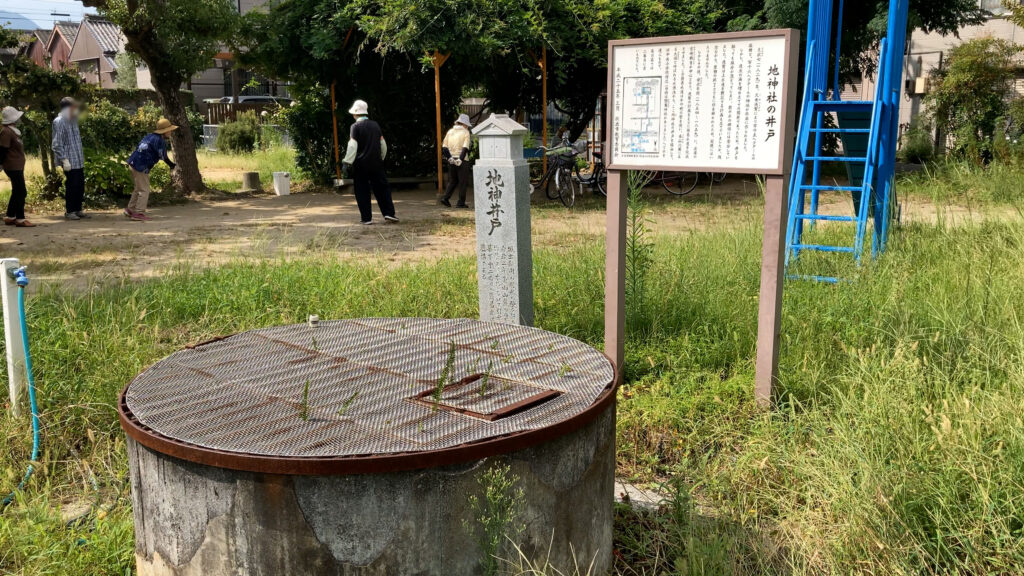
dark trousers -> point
(16, 205)
(459, 177)
(367, 179)
(74, 190)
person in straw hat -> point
(456, 148)
(365, 155)
(12, 158)
(151, 150)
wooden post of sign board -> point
(773, 269)
(615, 270)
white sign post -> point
(704, 103)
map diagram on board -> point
(641, 124)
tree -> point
(971, 94)
(127, 76)
(176, 39)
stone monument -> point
(501, 194)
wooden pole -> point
(615, 270)
(544, 104)
(334, 124)
(439, 60)
(773, 269)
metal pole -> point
(544, 103)
(334, 124)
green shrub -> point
(106, 127)
(240, 136)
(308, 121)
(107, 176)
(917, 146)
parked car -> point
(251, 100)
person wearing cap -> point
(456, 148)
(365, 154)
(67, 151)
(151, 150)
(12, 158)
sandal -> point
(24, 224)
(9, 221)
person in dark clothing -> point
(456, 149)
(67, 151)
(12, 158)
(147, 154)
(365, 156)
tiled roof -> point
(68, 29)
(106, 33)
(43, 35)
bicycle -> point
(561, 165)
(682, 183)
(597, 178)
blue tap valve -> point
(20, 276)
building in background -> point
(95, 50)
(36, 49)
(927, 52)
(58, 46)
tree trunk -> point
(186, 177)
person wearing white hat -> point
(147, 154)
(365, 154)
(12, 158)
(456, 148)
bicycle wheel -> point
(566, 186)
(718, 177)
(679, 183)
(550, 180)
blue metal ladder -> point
(870, 169)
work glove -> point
(65, 164)
(458, 162)
(451, 160)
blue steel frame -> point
(883, 131)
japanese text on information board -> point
(710, 104)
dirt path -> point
(211, 231)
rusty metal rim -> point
(369, 464)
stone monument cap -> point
(499, 125)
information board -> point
(711, 103)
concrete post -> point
(501, 194)
(17, 377)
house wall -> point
(89, 71)
(37, 53)
(59, 57)
(927, 51)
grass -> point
(896, 445)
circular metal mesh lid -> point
(366, 387)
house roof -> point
(42, 35)
(106, 33)
(499, 124)
(68, 30)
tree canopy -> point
(176, 39)
(378, 49)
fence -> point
(221, 112)
(268, 132)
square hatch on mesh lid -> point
(487, 397)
